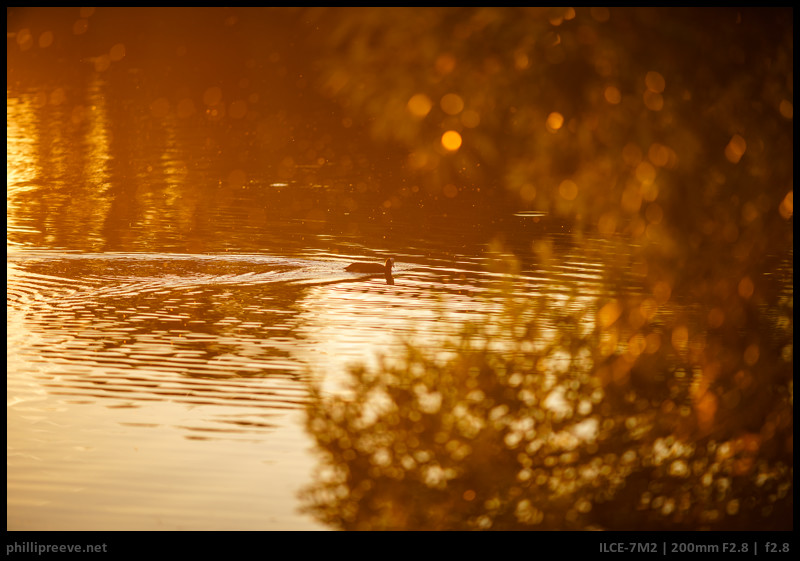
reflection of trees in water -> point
(510, 427)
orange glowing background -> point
(629, 169)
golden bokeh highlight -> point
(706, 409)
(79, 115)
(735, 149)
(645, 172)
(46, 39)
(631, 199)
(786, 207)
(653, 101)
(746, 288)
(655, 82)
(452, 104)
(649, 191)
(102, 63)
(568, 190)
(636, 345)
(659, 154)
(609, 314)
(117, 52)
(451, 140)
(554, 121)
(750, 212)
(24, 39)
(751, 354)
(680, 338)
(612, 95)
(80, 27)
(786, 109)
(419, 105)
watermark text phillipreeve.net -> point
(42, 548)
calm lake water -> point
(162, 390)
(173, 294)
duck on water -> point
(386, 268)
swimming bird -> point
(372, 267)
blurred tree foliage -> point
(669, 128)
(632, 105)
(672, 127)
